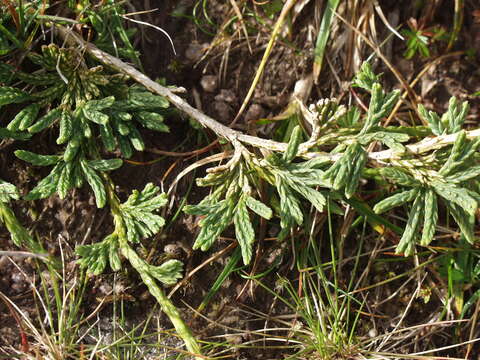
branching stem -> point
(231, 135)
(167, 306)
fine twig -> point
(23, 254)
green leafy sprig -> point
(66, 175)
(19, 234)
(86, 103)
(232, 201)
(80, 98)
(451, 183)
(345, 173)
(135, 220)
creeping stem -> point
(166, 304)
(428, 144)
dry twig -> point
(427, 144)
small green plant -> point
(84, 102)
(450, 182)
(19, 234)
(461, 269)
(324, 307)
(419, 40)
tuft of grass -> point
(328, 312)
(55, 332)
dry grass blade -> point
(183, 154)
(23, 254)
(380, 13)
(416, 80)
(14, 310)
(202, 265)
(415, 357)
(398, 75)
(242, 23)
(156, 28)
(276, 30)
(197, 164)
(472, 329)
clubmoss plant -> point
(335, 158)
(93, 111)
(94, 104)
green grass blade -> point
(373, 219)
(227, 270)
(11, 37)
(457, 23)
(322, 37)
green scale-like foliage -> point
(83, 104)
(218, 213)
(443, 177)
(19, 234)
(136, 220)
(66, 175)
(233, 199)
(454, 184)
(79, 98)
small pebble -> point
(195, 51)
(255, 112)
(17, 277)
(105, 289)
(173, 250)
(223, 110)
(209, 83)
(227, 96)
